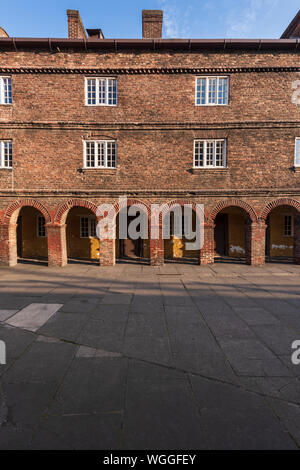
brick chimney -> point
(75, 26)
(293, 29)
(152, 24)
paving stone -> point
(79, 305)
(16, 341)
(140, 325)
(19, 399)
(103, 335)
(5, 314)
(41, 363)
(87, 432)
(256, 316)
(161, 416)
(33, 316)
(148, 348)
(234, 419)
(278, 338)
(289, 415)
(92, 385)
(64, 325)
(15, 438)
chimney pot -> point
(152, 24)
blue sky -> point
(122, 19)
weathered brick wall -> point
(149, 159)
(155, 123)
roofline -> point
(116, 45)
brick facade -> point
(155, 124)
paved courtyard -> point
(136, 357)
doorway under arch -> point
(81, 236)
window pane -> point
(220, 147)
(288, 224)
(199, 153)
(7, 154)
(223, 91)
(93, 227)
(91, 91)
(209, 153)
(102, 90)
(41, 226)
(112, 91)
(7, 90)
(90, 154)
(101, 154)
(297, 153)
(212, 91)
(111, 154)
(201, 91)
(84, 227)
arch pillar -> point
(157, 246)
(57, 245)
(8, 244)
(107, 252)
(256, 243)
(296, 254)
(207, 252)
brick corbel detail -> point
(256, 243)
(8, 245)
(207, 252)
(57, 245)
(296, 239)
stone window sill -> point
(222, 171)
(98, 170)
(296, 169)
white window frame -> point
(2, 166)
(292, 225)
(297, 157)
(37, 227)
(2, 95)
(97, 167)
(97, 91)
(207, 77)
(90, 219)
(214, 154)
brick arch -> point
(62, 212)
(17, 205)
(132, 202)
(233, 203)
(277, 203)
(182, 202)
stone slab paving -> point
(136, 357)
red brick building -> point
(87, 119)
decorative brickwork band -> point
(255, 243)
(57, 245)
(144, 71)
